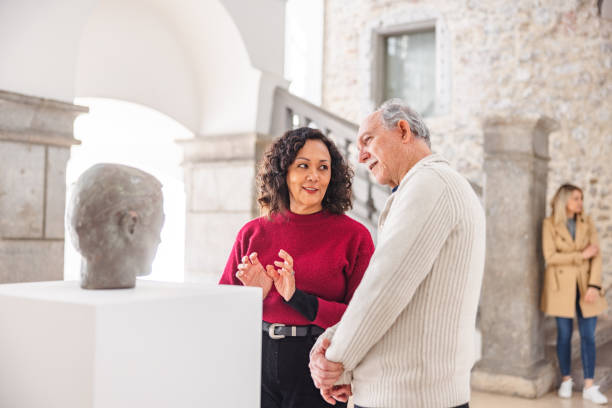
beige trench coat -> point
(566, 269)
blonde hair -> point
(559, 202)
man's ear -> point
(404, 128)
(128, 223)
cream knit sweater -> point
(407, 337)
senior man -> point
(407, 337)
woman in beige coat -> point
(572, 284)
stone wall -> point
(220, 198)
(35, 139)
(524, 57)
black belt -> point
(280, 331)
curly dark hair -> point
(273, 193)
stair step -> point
(603, 341)
(603, 377)
(603, 334)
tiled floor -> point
(483, 400)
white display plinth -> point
(158, 345)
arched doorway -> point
(131, 134)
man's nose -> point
(363, 155)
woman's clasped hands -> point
(252, 273)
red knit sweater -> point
(330, 254)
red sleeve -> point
(229, 273)
(330, 312)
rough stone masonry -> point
(525, 57)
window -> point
(409, 69)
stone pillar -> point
(220, 198)
(515, 165)
(35, 139)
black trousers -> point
(285, 376)
(466, 405)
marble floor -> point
(550, 400)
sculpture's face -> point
(144, 247)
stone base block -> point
(536, 384)
(31, 260)
(22, 186)
(159, 345)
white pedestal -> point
(159, 345)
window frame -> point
(378, 67)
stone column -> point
(515, 165)
(220, 198)
(35, 139)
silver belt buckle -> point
(271, 331)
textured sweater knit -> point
(330, 254)
(407, 338)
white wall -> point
(38, 43)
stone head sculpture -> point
(115, 216)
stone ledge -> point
(48, 103)
(39, 138)
(34, 120)
(535, 385)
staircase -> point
(291, 112)
(603, 362)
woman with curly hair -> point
(315, 257)
(573, 285)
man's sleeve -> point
(418, 224)
(347, 376)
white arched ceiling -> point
(129, 51)
(227, 83)
(192, 60)
(184, 59)
(38, 46)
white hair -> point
(394, 110)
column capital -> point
(518, 134)
(34, 120)
(222, 147)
